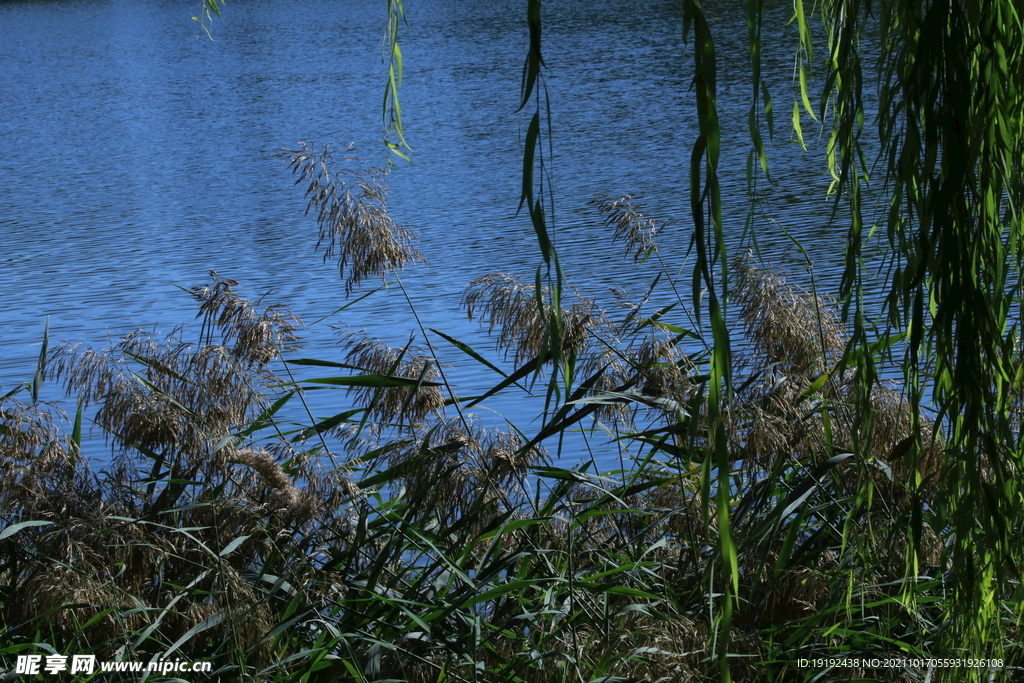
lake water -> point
(138, 155)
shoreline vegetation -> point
(399, 539)
(779, 514)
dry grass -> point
(524, 317)
(406, 405)
(353, 217)
(629, 224)
(116, 562)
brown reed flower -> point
(787, 325)
(255, 336)
(524, 317)
(263, 463)
(353, 218)
(171, 396)
(393, 404)
(453, 468)
(629, 223)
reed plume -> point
(629, 224)
(352, 216)
(524, 317)
(411, 404)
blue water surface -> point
(138, 155)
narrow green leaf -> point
(468, 350)
(9, 531)
(377, 381)
(231, 547)
(37, 381)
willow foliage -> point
(951, 124)
(950, 128)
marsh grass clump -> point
(118, 572)
(409, 403)
(525, 317)
(789, 430)
(353, 216)
(436, 521)
(462, 473)
(104, 565)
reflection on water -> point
(138, 156)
